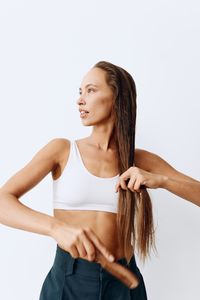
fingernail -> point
(111, 258)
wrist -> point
(55, 226)
(164, 181)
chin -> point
(87, 124)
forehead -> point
(94, 76)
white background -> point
(46, 49)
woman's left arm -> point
(154, 172)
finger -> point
(123, 179)
(123, 183)
(117, 187)
(81, 249)
(137, 185)
(89, 248)
(73, 251)
(100, 246)
(131, 183)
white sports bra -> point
(78, 189)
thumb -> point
(116, 187)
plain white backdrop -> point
(46, 47)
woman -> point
(101, 205)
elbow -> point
(4, 194)
(1, 194)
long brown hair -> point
(134, 217)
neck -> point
(103, 139)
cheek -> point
(106, 103)
(101, 105)
(108, 106)
(98, 105)
(105, 107)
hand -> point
(138, 177)
(83, 243)
(79, 242)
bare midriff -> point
(102, 223)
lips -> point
(83, 110)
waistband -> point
(70, 265)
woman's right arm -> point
(80, 242)
(15, 214)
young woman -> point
(101, 205)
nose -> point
(80, 100)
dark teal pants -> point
(80, 279)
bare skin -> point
(81, 233)
(67, 228)
(103, 223)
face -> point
(96, 96)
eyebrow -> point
(89, 85)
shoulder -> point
(44, 161)
(146, 160)
(58, 143)
(53, 151)
(57, 147)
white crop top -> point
(78, 189)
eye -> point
(90, 90)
